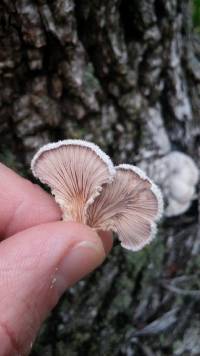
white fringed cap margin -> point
(52, 146)
(154, 188)
(157, 193)
(144, 243)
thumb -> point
(36, 266)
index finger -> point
(23, 204)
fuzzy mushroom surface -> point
(178, 175)
(90, 190)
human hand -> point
(40, 257)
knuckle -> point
(18, 341)
(8, 341)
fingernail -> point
(82, 259)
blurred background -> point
(125, 75)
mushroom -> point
(75, 170)
(90, 190)
(178, 175)
(129, 206)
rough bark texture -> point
(126, 75)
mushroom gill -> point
(129, 206)
(90, 190)
(75, 170)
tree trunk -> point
(126, 75)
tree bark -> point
(126, 75)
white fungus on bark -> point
(178, 175)
(90, 190)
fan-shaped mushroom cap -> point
(129, 206)
(75, 170)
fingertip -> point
(46, 260)
(78, 229)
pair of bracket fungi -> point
(90, 190)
